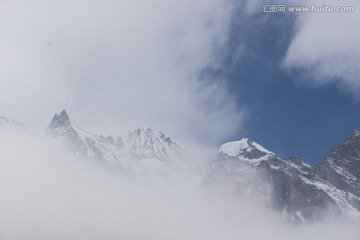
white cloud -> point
(326, 46)
(117, 65)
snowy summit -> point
(246, 144)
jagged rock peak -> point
(237, 147)
(146, 130)
(61, 120)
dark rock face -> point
(60, 121)
(341, 167)
(291, 186)
(295, 192)
(60, 126)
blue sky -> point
(286, 115)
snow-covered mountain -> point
(140, 154)
(297, 191)
(341, 166)
(289, 185)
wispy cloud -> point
(325, 47)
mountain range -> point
(144, 154)
(297, 191)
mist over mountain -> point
(182, 120)
(72, 179)
(142, 154)
(292, 187)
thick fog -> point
(46, 193)
(118, 65)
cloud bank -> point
(117, 65)
(46, 193)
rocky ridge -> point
(290, 185)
